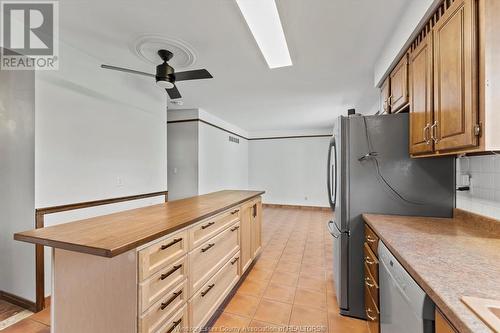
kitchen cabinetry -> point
(256, 227)
(372, 303)
(442, 325)
(385, 93)
(421, 107)
(251, 225)
(398, 98)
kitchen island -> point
(161, 268)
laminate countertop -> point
(111, 235)
(448, 258)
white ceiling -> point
(334, 45)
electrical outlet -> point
(119, 181)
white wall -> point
(182, 160)
(99, 134)
(17, 197)
(484, 195)
(222, 164)
(401, 34)
(291, 171)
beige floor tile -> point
(286, 266)
(260, 326)
(307, 316)
(310, 298)
(260, 274)
(230, 321)
(285, 278)
(341, 324)
(244, 305)
(307, 282)
(253, 287)
(273, 312)
(280, 293)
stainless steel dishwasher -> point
(404, 306)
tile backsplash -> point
(484, 195)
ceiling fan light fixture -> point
(164, 83)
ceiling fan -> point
(166, 75)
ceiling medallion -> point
(146, 47)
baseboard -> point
(19, 301)
(297, 207)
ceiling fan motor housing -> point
(164, 72)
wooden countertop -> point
(448, 258)
(111, 235)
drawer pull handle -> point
(175, 241)
(235, 211)
(369, 261)
(207, 225)
(203, 293)
(234, 260)
(235, 228)
(174, 325)
(368, 282)
(170, 300)
(167, 274)
(208, 247)
(368, 311)
(370, 239)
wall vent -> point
(234, 139)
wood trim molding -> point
(40, 213)
(17, 300)
(297, 207)
(250, 139)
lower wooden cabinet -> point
(442, 325)
(251, 230)
(372, 303)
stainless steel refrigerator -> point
(370, 171)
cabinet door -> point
(399, 86)
(442, 325)
(421, 108)
(384, 96)
(455, 77)
(256, 228)
(246, 236)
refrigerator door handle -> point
(332, 229)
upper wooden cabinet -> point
(421, 103)
(399, 86)
(384, 96)
(456, 123)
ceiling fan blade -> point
(193, 75)
(126, 70)
(173, 93)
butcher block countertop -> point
(448, 258)
(111, 235)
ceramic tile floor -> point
(291, 283)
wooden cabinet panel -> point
(371, 239)
(384, 96)
(372, 313)
(211, 227)
(455, 77)
(177, 323)
(442, 325)
(421, 97)
(205, 260)
(398, 97)
(246, 236)
(371, 261)
(256, 228)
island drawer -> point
(160, 254)
(371, 261)
(158, 314)
(209, 257)
(372, 285)
(371, 239)
(372, 313)
(155, 287)
(205, 230)
(205, 301)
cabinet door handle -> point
(235, 228)
(175, 241)
(369, 261)
(426, 134)
(207, 225)
(170, 300)
(368, 311)
(170, 272)
(234, 260)
(368, 282)
(203, 293)
(370, 239)
(434, 132)
(208, 247)
(235, 211)
(174, 325)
